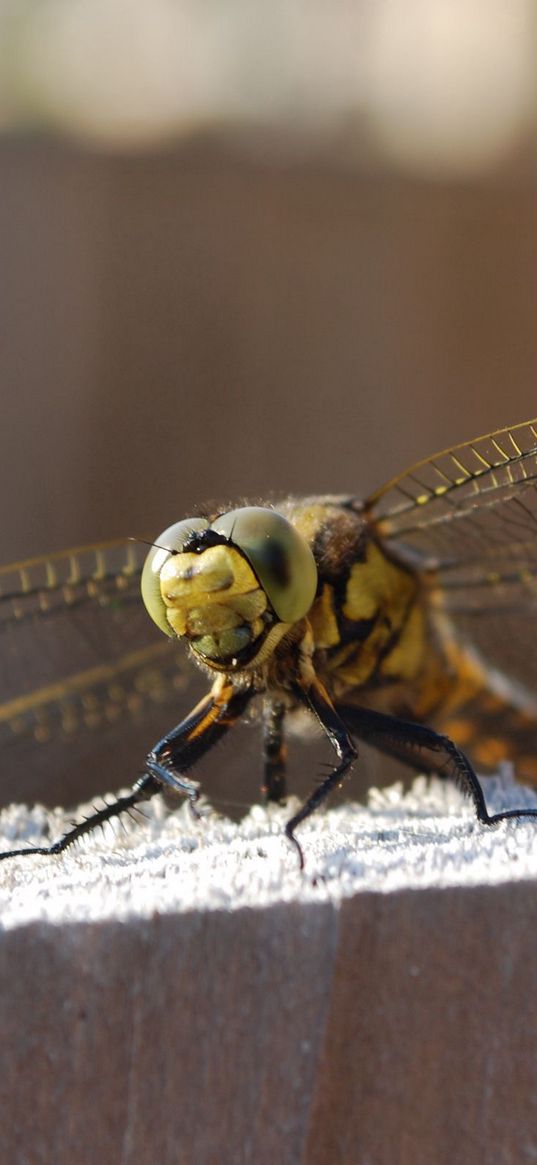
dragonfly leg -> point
(317, 700)
(143, 790)
(274, 752)
(180, 749)
(421, 747)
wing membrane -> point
(87, 682)
(85, 575)
(470, 515)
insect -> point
(404, 621)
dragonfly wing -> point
(467, 519)
(87, 682)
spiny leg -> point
(420, 747)
(143, 790)
(316, 698)
(180, 749)
(274, 752)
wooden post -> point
(181, 994)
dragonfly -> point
(404, 621)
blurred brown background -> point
(195, 324)
(266, 254)
(235, 264)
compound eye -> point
(171, 541)
(279, 555)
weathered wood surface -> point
(383, 1014)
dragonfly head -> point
(230, 587)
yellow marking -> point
(422, 499)
(480, 457)
(209, 718)
(213, 702)
(466, 472)
(215, 576)
(77, 684)
(516, 447)
(130, 565)
(269, 645)
(74, 571)
(499, 449)
(406, 658)
(447, 677)
(377, 584)
(441, 489)
(356, 663)
(178, 620)
(52, 575)
(100, 569)
(211, 596)
(379, 590)
(323, 619)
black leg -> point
(143, 790)
(180, 750)
(317, 700)
(423, 748)
(274, 752)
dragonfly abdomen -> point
(494, 725)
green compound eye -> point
(279, 555)
(171, 540)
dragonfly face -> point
(402, 621)
(232, 588)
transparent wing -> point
(469, 516)
(87, 682)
